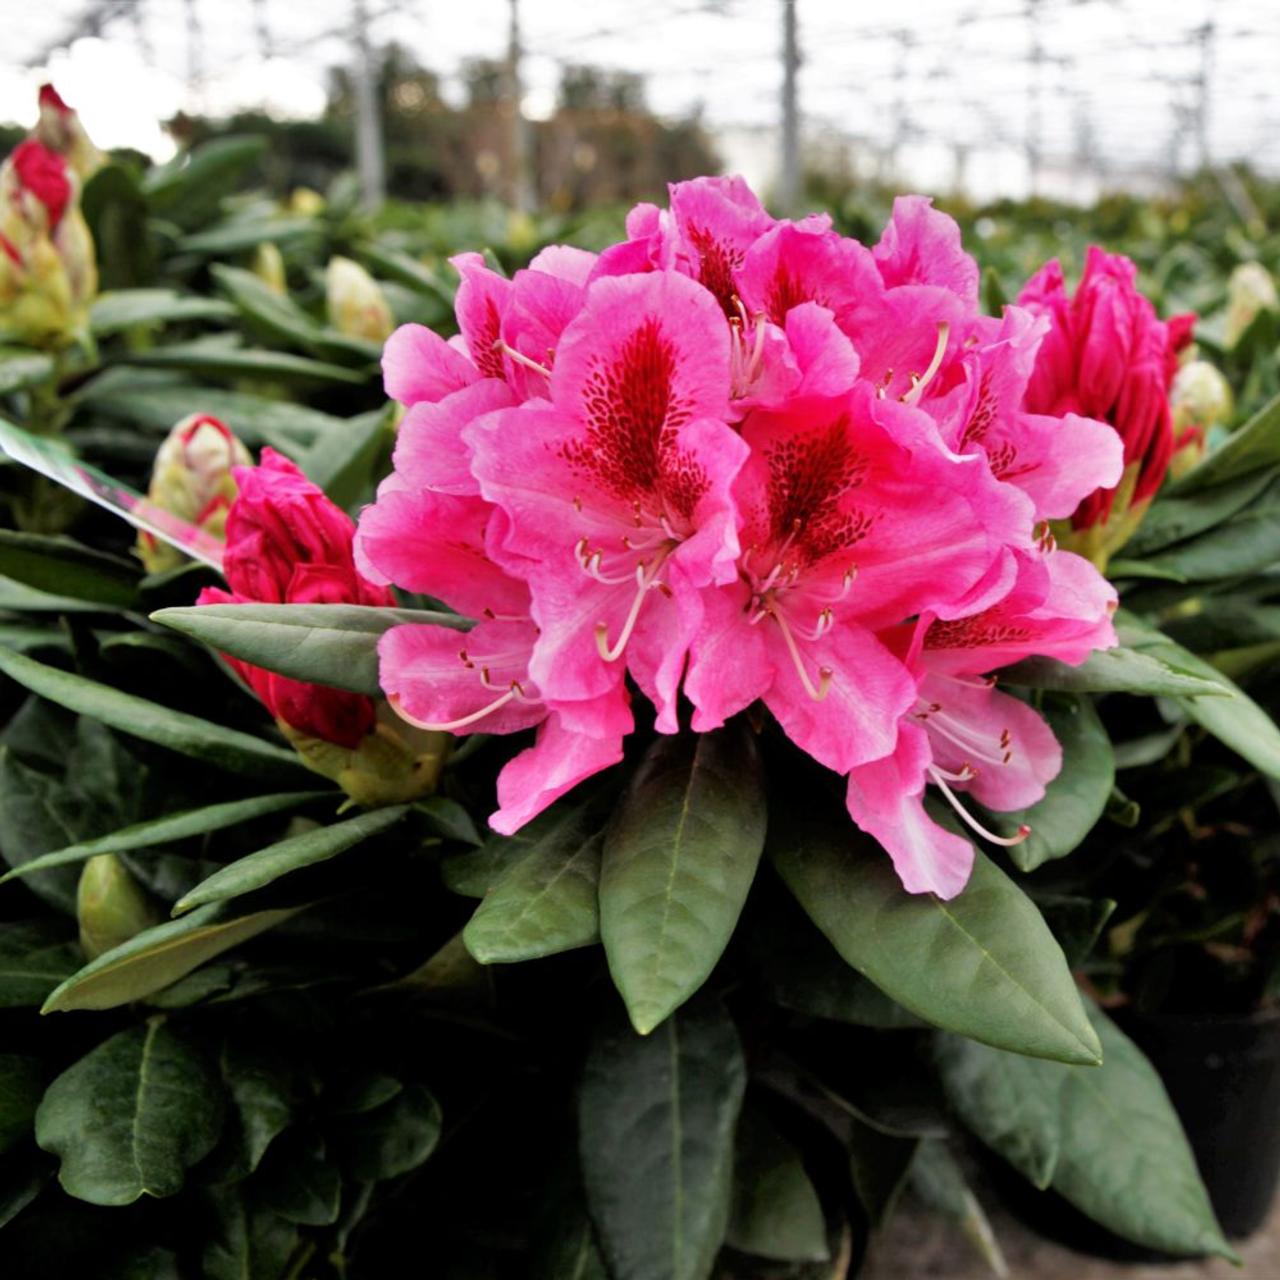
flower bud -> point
(48, 274)
(111, 907)
(1250, 290)
(287, 543)
(60, 130)
(1108, 356)
(306, 203)
(357, 306)
(1200, 399)
(192, 479)
(268, 266)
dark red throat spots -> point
(484, 349)
(785, 292)
(983, 415)
(634, 414)
(717, 261)
(808, 477)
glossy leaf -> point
(21, 368)
(220, 361)
(298, 1181)
(259, 1083)
(1121, 670)
(1236, 720)
(174, 826)
(248, 1241)
(1173, 519)
(64, 567)
(132, 1116)
(679, 858)
(776, 1212)
(983, 964)
(545, 903)
(279, 859)
(1255, 446)
(1076, 798)
(157, 957)
(1121, 1156)
(186, 734)
(332, 644)
(128, 308)
(656, 1119)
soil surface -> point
(919, 1245)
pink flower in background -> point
(1108, 356)
(741, 460)
(289, 544)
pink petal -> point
(418, 364)
(480, 303)
(433, 675)
(729, 663)
(429, 446)
(922, 246)
(541, 774)
(885, 799)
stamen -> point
(970, 821)
(520, 358)
(451, 726)
(823, 687)
(940, 351)
(645, 576)
(964, 736)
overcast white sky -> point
(934, 73)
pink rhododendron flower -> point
(961, 733)
(1108, 356)
(289, 544)
(738, 460)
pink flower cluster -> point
(742, 460)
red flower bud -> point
(1108, 356)
(287, 543)
(44, 174)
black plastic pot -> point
(1223, 1075)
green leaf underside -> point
(1106, 1138)
(132, 1116)
(545, 903)
(172, 827)
(679, 857)
(1121, 670)
(1237, 721)
(276, 860)
(657, 1116)
(983, 964)
(1076, 798)
(158, 957)
(331, 644)
(227, 748)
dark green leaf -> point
(776, 1212)
(1235, 720)
(21, 1086)
(259, 1084)
(1171, 519)
(157, 957)
(196, 180)
(126, 308)
(64, 567)
(1121, 670)
(656, 1120)
(400, 266)
(276, 860)
(186, 734)
(299, 1182)
(391, 1139)
(938, 1181)
(35, 957)
(543, 904)
(1076, 798)
(240, 234)
(1121, 1156)
(131, 1117)
(174, 826)
(242, 362)
(1242, 545)
(880, 1163)
(983, 964)
(345, 464)
(248, 1241)
(332, 644)
(679, 858)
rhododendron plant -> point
(736, 460)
